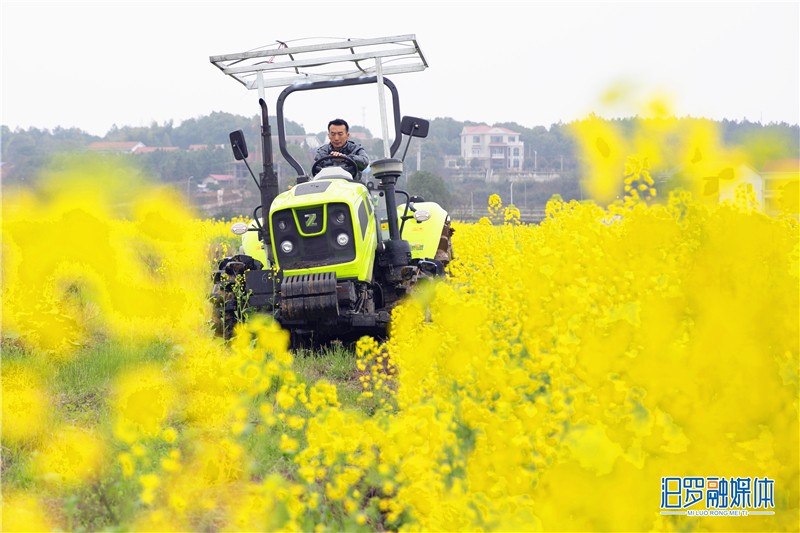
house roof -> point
(309, 139)
(150, 149)
(782, 165)
(483, 129)
(115, 146)
(221, 177)
(193, 147)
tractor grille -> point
(310, 296)
(312, 234)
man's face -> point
(338, 136)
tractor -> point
(332, 256)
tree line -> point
(25, 152)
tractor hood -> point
(324, 226)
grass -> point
(80, 386)
(266, 456)
(100, 505)
(335, 363)
(90, 370)
(15, 468)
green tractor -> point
(333, 255)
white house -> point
(782, 186)
(496, 148)
(743, 175)
(219, 181)
(310, 141)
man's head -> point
(338, 133)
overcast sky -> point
(94, 64)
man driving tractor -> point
(341, 145)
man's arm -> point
(359, 155)
(322, 151)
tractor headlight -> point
(239, 228)
(287, 247)
(342, 239)
(421, 215)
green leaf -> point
(726, 174)
(603, 147)
(712, 186)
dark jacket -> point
(350, 148)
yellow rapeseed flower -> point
(70, 455)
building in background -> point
(492, 148)
(782, 187)
(120, 147)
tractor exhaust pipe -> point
(269, 181)
(268, 184)
(388, 171)
(398, 251)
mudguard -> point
(424, 236)
(252, 246)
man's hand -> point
(337, 153)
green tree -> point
(26, 152)
(361, 129)
(430, 186)
(179, 165)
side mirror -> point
(414, 127)
(238, 145)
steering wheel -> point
(349, 165)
